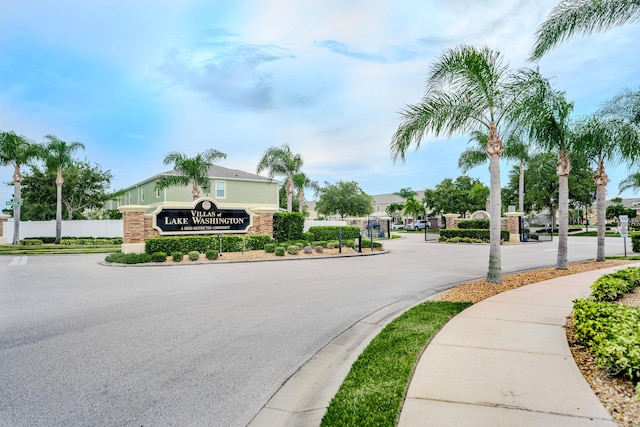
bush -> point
(608, 288)
(635, 242)
(288, 226)
(280, 251)
(332, 232)
(307, 236)
(366, 243)
(293, 250)
(194, 255)
(479, 224)
(202, 244)
(270, 247)
(31, 242)
(121, 258)
(473, 233)
(177, 256)
(159, 256)
(211, 254)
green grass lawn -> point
(373, 392)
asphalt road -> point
(82, 344)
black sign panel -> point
(203, 218)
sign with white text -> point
(203, 217)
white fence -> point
(80, 228)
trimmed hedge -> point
(612, 287)
(471, 233)
(332, 232)
(69, 240)
(204, 243)
(288, 226)
(481, 224)
(635, 242)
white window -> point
(221, 189)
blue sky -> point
(136, 79)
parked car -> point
(420, 224)
(397, 226)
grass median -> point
(373, 392)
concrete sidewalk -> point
(505, 362)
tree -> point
(86, 188)
(300, 182)
(571, 17)
(463, 195)
(345, 198)
(413, 208)
(405, 193)
(16, 151)
(616, 209)
(280, 161)
(470, 89)
(57, 154)
(190, 170)
(393, 209)
(605, 141)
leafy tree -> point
(470, 89)
(300, 182)
(463, 195)
(603, 141)
(190, 170)
(280, 161)
(393, 209)
(614, 211)
(16, 151)
(86, 189)
(57, 154)
(344, 198)
(405, 193)
(413, 208)
(571, 17)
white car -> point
(420, 224)
(397, 226)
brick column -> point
(3, 219)
(133, 233)
(513, 225)
(451, 220)
(262, 221)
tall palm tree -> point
(550, 129)
(413, 207)
(300, 182)
(514, 149)
(571, 17)
(58, 154)
(190, 170)
(605, 141)
(470, 89)
(16, 151)
(280, 161)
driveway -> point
(82, 344)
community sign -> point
(202, 217)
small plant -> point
(159, 257)
(280, 251)
(194, 255)
(270, 247)
(609, 288)
(211, 254)
(177, 256)
(293, 250)
(122, 258)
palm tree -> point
(190, 170)
(58, 154)
(572, 17)
(605, 141)
(280, 161)
(413, 207)
(514, 149)
(405, 193)
(16, 151)
(300, 182)
(550, 130)
(470, 89)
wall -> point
(105, 228)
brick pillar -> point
(3, 219)
(513, 225)
(133, 233)
(262, 221)
(451, 220)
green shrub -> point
(609, 288)
(31, 242)
(332, 232)
(611, 331)
(293, 250)
(121, 258)
(366, 243)
(631, 275)
(177, 256)
(201, 244)
(635, 242)
(288, 226)
(280, 251)
(459, 240)
(270, 247)
(473, 233)
(159, 256)
(308, 236)
(43, 240)
(331, 245)
(194, 255)
(481, 224)
(211, 254)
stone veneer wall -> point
(510, 222)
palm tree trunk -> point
(59, 182)
(601, 179)
(195, 191)
(17, 196)
(289, 193)
(494, 149)
(300, 199)
(563, 168)
(521, 189)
